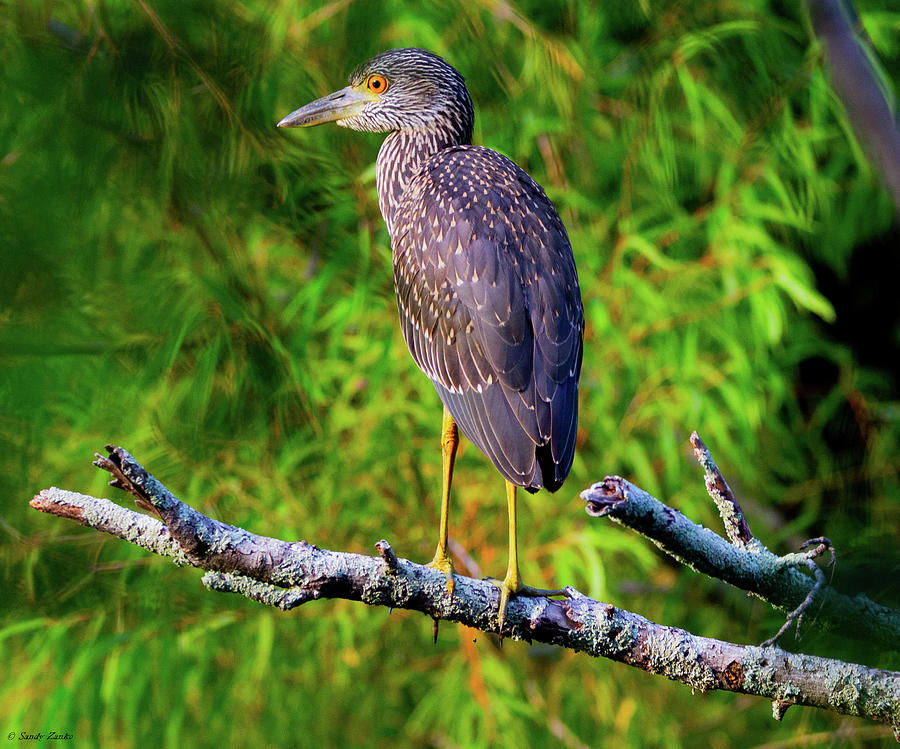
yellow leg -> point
(449, 443)
(512, 584)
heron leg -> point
(512, 583)
(449, 443)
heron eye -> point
(377, 84)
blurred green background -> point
(183, 279)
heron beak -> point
(340, 105)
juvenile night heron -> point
(484, 275)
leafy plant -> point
(181, 278)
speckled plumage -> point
(486, 285)
(490, 308)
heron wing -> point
(491, 310)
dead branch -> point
(745, 562)
(287, 574)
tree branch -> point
(746, 563)
(287, 574)
(855, 81)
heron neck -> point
(401, 157)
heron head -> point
(395, 90)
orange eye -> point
(377, 84)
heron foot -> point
(442, 563)
(511, 587)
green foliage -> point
(183, 279)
